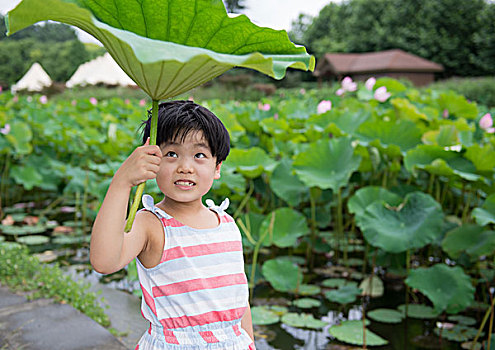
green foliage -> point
(457, 34)
(481, 90)
(20, 271)
(352, 332)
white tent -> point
(102, 69)
(35, 79)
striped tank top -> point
(196, 296)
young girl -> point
(189, 257)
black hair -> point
(176, 119)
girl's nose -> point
(185, 167)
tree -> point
(44, 32)
(233, 6)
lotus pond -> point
(366, 220)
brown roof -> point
(384, 61)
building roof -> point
(35, 79)
(394, 60)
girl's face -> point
(187, 169)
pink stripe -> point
(172, 222)
(170, 337)
(201, 249)
(199, 284)
(148, 299)
(209, 337)
(236, 329)
(137, 347)
(226, 218)
(251, 347)
(202, 319)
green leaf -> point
(288, 226)
(250, 162)
(463, 320)
(335, 282)
(308, 289)
(20, 137)
(286, 185)
(170, 46)
(369, 194)
(306, 303)
(27, 176)
(413, 224)
(418, 311)
(327, 163)
(486, 214)
(263, 316)
(351, 332)
(33, 240)
(344, 295)
(283, 275)
(458, 333)
(302, 321)
(372, 287)
(474, 240)
(385, 315)
(448, 288)
(483, 157)
(457, 105)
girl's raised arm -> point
(110, 248)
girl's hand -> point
(141, 165)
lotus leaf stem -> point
(244, 200)
(340, 224)
(140, 188)
(488, 312)
(309, 256)
(467, 205)
(246, 231)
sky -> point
(276, 14)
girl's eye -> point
(171, 154)
(200, 155)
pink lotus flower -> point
(486, 123)
(74, 102)
(5, 130)
(191, 98)
(275, 116)
(339, 92)
(16, 98)
(381, 94)
(445, 113)
(142, 102)
(127, 101)
(264, 107)
(1, 89)
(370, 83)
(43, 99)
(348, 84)
(324, 106)
(93, 101)
(302, 91)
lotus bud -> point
(324, 106)
(381, 94)
(370, 83)
(93, 101)
(486, 121)
(445, 113)
(43, 99)
(74, 102)
(5, 130)
(339, 92)
(302, 91)
(142, 102)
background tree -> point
(459, 34)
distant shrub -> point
(481, 90)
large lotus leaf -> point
(402, 133)
(250, 162)
(448, 288)
(413, 224)
(352, 332)
(288, 226)
(263, 315)
(483, 157)
(406, 110)
(282, 274)
(420, 311)
(20, 137)
(26, 176)
(369, 194)
(346, 121)
(486, 214)
(170, 46)
(302, 321)
(286, 185)
(457, 105)
(438, 161)
(446, 136)
(472, 239)
(327, 163)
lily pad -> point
(464, 320)
(283, 275)
(306, 303)
(169, 46)
(335, 282)
(22, 230)
(33, 240)
(448, 288)
(263, 316)
(308, 289)
(413, 224)
(351, 332)
(385, 315)
(327, 163)
(458, 333)
(344, 295)
(302, 321)
(486, 214)
(474, 240)
(66, 239)
(418, 311)
(372, 287)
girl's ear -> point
(217, 171)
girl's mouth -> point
(184, 183)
